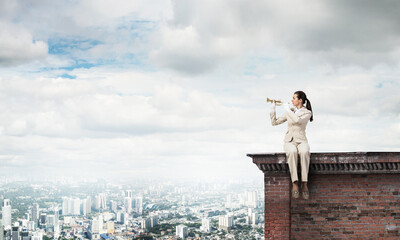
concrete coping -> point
(334, 162)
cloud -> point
(104, 97)
(336, 33)
(17, 45)
(105, 33)
(103, 117)
(75, 107)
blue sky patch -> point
(65, 46)
(65, 75)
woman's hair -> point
(301, 95)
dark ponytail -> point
(301, 95)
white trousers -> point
(293, 150)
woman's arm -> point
(303, 118)
(278, 121)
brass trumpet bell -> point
(277, 102)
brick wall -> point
(348, 207)
(352, 196)
(277, 188)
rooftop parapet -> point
(334, 163)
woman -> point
(295, 142)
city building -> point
(153, 221)
(50, 223)
(88, 205)
(6, 214)
(139, 205)
(181, 231)
(1, 231)
(35, 214)
(100, 201)
(114, 205)
(251, 199)
(25, 235)
(56, 216)
(145, 223)
(225, 222)
(110, 227)
(128, 204)
(129, 193)
(95, 228)
(205, 225)
(37, 235)
(15, 233)
(71, 206)
(125, 218)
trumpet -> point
(277, 102)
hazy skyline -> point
(178, 88)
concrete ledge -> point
(334, 163)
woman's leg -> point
(291, 157)
(304, 152)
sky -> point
(177, 89)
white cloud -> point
(128, 117)
(336, 33)
(17, 45)
(184, 49)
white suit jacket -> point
(296, 124)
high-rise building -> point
(84, 207)
(100, 201)
(50, 221)
(94, 226)
(145, 223)
(14, 233)
(37, 236)
(153, 221)
(128, 204)
(24, 223)
(71, 206)
(6, 212)
(1, 230)
(56, 216)
(101, 224)
(25, 235)
(88, 205)
(252, 217)
(129, 193)
(205, 225)
(119, 214)
(110, 227)
(65, 206)
(139, 205)
(31, 226)
(251, 199)
(225, 222)
(114, 205)
(76, 203)
(35, 214)
(125, 218)
(181, 231)
(42, 219)
(56, 222)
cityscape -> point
(104, 210)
